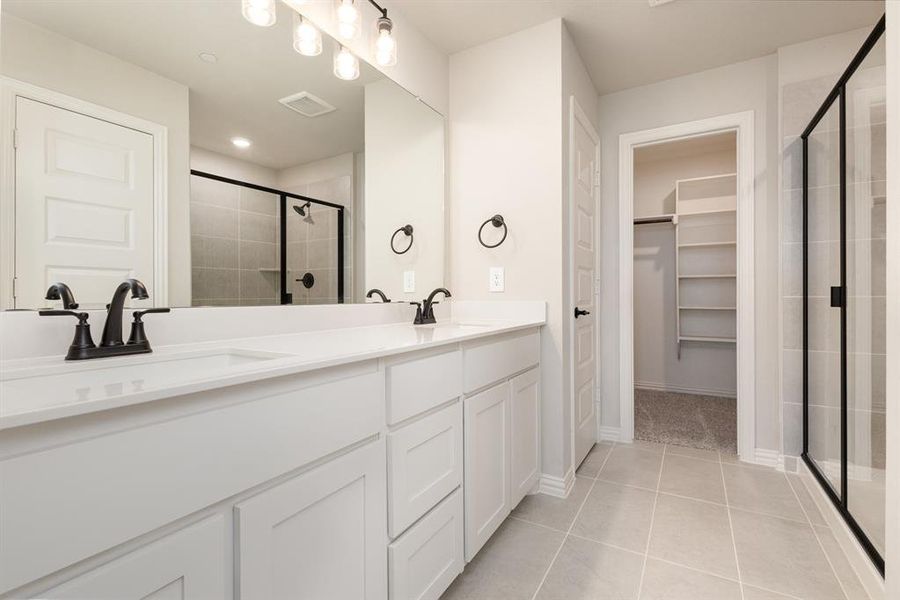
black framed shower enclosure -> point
(829, 462)
(285, 297)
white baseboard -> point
(859, 560)
(608, 434)
(664, 387)
(559, 487)
(767, 458)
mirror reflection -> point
(177, 144)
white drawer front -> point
(415, 386)
(427, 558)
(488, 363)
(425, 463)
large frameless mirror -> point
(177, 143)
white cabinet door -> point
(186, 565)
(425, 560)
(487, 465)
(425, 463)
(319, 535)
(525, 434)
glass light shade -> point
(385, 43)
(259, 12)
(346, 65)
(307, 39)
(347, 19)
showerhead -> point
(301, 210)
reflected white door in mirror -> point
(86, 204)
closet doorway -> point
(686, 260)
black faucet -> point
(112, 329)
(425, 312)
(377, 292)
(82, 346)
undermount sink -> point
(33, 388)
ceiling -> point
(236, 96)
(626, 43)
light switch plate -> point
(496, 283)
(409, 282)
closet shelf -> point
(722, 340)
(706, 244)
(699, 213)
(723, 276)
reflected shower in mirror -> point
(203, 155)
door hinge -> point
(15, 138)
(837, 297)
(15, 279)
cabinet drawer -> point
(485, 364)
(417, 385)
(425, 463)
(427, 558)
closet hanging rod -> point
(659, 219)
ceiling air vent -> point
(307, 104)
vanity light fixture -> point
(385, 42)
(346, 65)
(240, 142)
(348, 19)
(307, 39)
(259, 12)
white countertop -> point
(37, 390)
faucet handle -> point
(140, 313)
(81, 316)
(137, 326)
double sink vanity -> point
(357, 462)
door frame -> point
(742, 124)
(577, 114)
(10, 89)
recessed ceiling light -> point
(208, 57)
(241, 142)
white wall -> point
(40, 57)
(421, 68)
(892, 559)
(508, 151)
(749, 85)
(710, 368)
(233, 168)
(404, 180)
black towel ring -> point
(408, 230)
(496, 221)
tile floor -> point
(652, 522)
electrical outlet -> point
(496, 283)
(409, 282)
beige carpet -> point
(706, 422)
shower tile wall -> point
(312, 246)
(233, 245)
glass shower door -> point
(866, 280)
(822, 335)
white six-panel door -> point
(84, 204)
(583, 156)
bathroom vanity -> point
(364, 462)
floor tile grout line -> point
(568, 531)
(662, 464)
(816, 535)
(737, 562)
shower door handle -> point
(837, 296)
